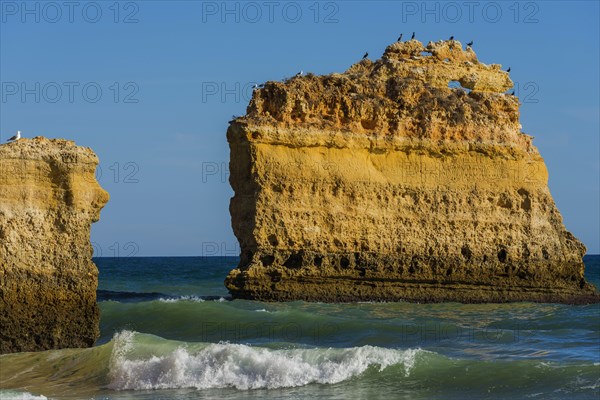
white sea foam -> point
(246, 367)
(592, 386)
(189, 298)
(182, 298)
(12, 395)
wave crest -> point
(244, 367)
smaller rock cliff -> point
(49, 198)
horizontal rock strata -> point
(49, 198)
(386, 182)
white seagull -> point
(16, 137)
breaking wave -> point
(140, 362)
(245, 367)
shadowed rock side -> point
(49, 198)
(382, 183)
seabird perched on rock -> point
(15, 137)
(300, 73)
(470, 44)
(413, 36)
(262, 85)
(512, 93)
(366, 55)
(399, 38)
(508, 70)
(451, 38)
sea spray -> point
(244, 367)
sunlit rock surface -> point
(384, 183)
(49, 198)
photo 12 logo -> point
(53, 12)
(116, 249)
(228, 92)
(470, 11)
(69, 92)
(527, 92)
(215, 171)
(252, 12)
(220, 249)
(118, 172)
(235, 331)
(446, 332)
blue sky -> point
(150, 86)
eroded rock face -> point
(382, 183)
(49, 198)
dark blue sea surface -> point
(170, 331)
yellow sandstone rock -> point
(49, 198)
(383, 183)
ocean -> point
(170, 331)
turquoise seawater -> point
(169, 331)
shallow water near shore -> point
(170, 331)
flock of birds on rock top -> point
(262, 85)
(366, 55)
(470, 44)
